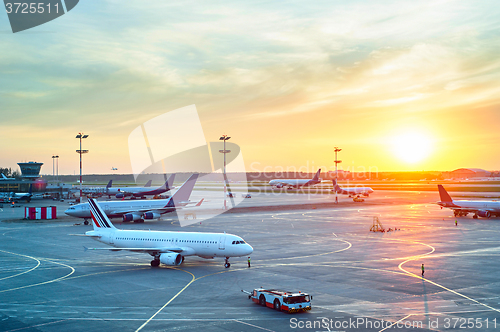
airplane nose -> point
(248, 249)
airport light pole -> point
(80, 152)
(53, 168)
(53, 175)
(224, 138)
(336, 172)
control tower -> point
(30, 170)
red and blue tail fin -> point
(336, 186)
(170, 181)
(316, 177)
(100, 220)
(182, 195)
(443, 195)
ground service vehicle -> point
(281, 300)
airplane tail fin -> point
(316, 177)
(148, 184)
(99, 219)
(443, 195)
(170, 181)
(3, 176)
(184, 191)
(110, 183)
(336, 187)
(31, 189)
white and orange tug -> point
(280, 300)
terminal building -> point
(30, 173)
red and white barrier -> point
(44, 212)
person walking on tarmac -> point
(456, 222)
(248, 261)
(423, 270)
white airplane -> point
(6, 178)
(166, 247)
(139, 210)
(16, 197)
(141, 192)
(97, 190)
(352, 192)
(484, 209)
(295, 183)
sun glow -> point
(412, 147)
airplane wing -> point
(146, 250)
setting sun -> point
(412, 147)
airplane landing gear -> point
(85, 221)
(155, 262)
(227, 264)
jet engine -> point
(171, 259)
(119, 195)
(484, 214)
(131, 217)
(151, 215)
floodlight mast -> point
(336, 173)
(53, 175)
(80, 152)
(225, 138)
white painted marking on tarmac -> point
(258, 327)
(203, 313)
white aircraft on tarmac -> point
(142, 192)
(352, 192)
(139, 210)
(16, 197)
(296, 183)
(484, 209)
(166, 247)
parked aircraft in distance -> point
(484, 209)
(296, 183)
(6, 178)
(352, 192)
(97, 190)
(114, 168)
(166, 247)
(16, 197)
(142, 192)
(139, 210)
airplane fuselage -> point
(293, 183)
(206, 245)
(111, 208)
(481, 208)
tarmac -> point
(359, 280)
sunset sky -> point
(398, 85)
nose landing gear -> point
(227, 264)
